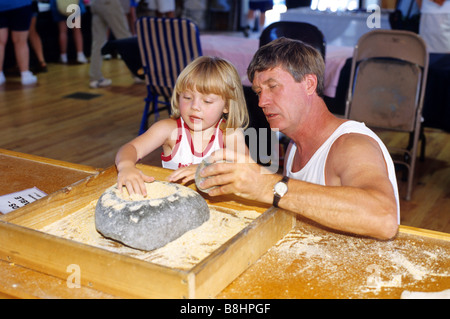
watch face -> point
(281, 188)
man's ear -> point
(310, 83)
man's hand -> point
(235, 173)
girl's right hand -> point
(134, 180)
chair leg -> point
(155, 107)
(423, 141)
(144, 120)
(423, 144)
(410, 182)
(412, 164)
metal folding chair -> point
(167, 46)
(387, 88)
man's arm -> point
(358, 199)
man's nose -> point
(263, 99)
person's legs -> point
(78, 39)
(106, 16)
(263, 8)
(36, 44)
(20, 38)
(18, 22)
(62, 39)
(262, 20)
(117, 22)
(250, 19)
(22, 52)
(99, 38)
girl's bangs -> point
(205, 82)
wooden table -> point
(309, 262)
(20, 171)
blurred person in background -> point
(63, 29)
(15, 16)
(106, 15)
(255, 6)
(434, 25)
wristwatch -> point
(279, 190)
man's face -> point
(280, 97)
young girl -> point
(208, 108)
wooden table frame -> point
(32, 280)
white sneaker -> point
(28, 78)
(100, 83)
(63, 58)
(81, 58)
(2, 78)
(138, 80)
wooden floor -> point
(87, 129)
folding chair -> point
(167, 46)
(387, 88)
(302, 31)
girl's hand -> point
(134, 180)
(235, 173)
(185, 174)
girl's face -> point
(201, 111)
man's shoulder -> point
(352, 141)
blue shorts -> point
(262, 6)
(16, 19)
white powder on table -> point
(313, 262)
(182, 253)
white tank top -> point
(183, 154)
(314, 170)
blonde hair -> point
(213, 75)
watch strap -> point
(276, 196)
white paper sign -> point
(12, 201)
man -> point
(341, 174)
(106, 15)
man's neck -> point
(317, 128)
